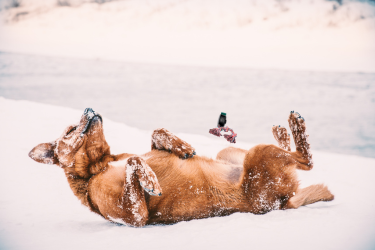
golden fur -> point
(170, 183)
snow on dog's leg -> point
(282, 137)
(162, 139)
(146, 177)
(298, 128)
(138, 177)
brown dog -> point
(127, 188)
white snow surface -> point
(283, 34)
(39, 211)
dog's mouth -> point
(91, 118)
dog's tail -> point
(309, 195)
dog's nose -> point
(89, 113)
(96, 119)
(89, 118)
(88, 110)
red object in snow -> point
(216, 131)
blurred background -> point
(179, 63)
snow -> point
(39, 211)
(117, 220)
(305, 35)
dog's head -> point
(79, 146)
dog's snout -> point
(89, 118)
(88, 110)
(96, 119)
(90, 114)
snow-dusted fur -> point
(170, 183)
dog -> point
(171, 183)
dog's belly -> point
(234, 173)
(187, 204)
(195, 188)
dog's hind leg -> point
(162, 139)
(282, 137)
(268, 178)
(302, 154)
(309, 195)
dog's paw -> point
(298, 127)
(282, 137)
(183, 149)
(146, 177)
(162, 139)
(280, 133)
(150, 189)
(296, 123)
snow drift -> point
(38, 210)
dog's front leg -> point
(118, 193)
(162, 139)
(139, 177)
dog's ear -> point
(44, 153)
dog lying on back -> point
(171, 184)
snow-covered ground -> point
(38, 210)
(310, 35)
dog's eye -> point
(70, 131)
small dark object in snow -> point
(222, 120)
(220, 127)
